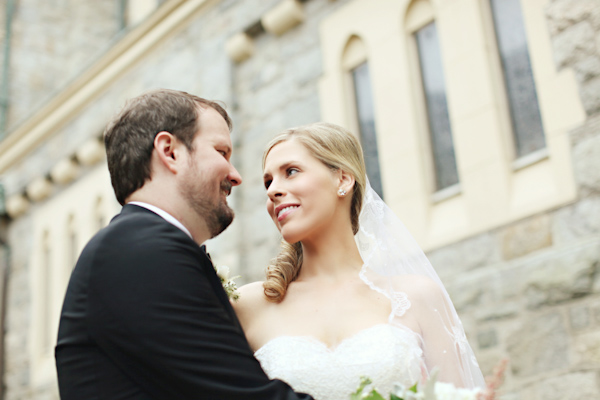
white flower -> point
(405, 393)
(228, 283)
(223, 272)
(447, 391)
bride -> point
(350, 294)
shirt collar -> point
(168, 217)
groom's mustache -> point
(226, 187)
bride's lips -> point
(282, 215)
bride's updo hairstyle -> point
(337, 149)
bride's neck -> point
(333, 256)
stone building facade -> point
(517, 241)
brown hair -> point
(338, 149)
(129, 136)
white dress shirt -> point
(168, 217)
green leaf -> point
(364, 381)
(374, 395)
(394, 397)
(413, 388)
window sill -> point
(530, 159)
(446, 193)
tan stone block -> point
(65, 171)
(17, 205)
(283, 17)
(90, 152)
(39, 189)
(527, 236)
(239, 47)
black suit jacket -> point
(145, 317)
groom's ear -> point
(165, 145)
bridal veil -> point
(395, 266)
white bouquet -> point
(433, 390)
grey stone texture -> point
(579, 318)
(52, 43)
(540, 345)
(579, 385)
(586, 156)
(574, 25)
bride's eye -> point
(292, 171)
(267, 183)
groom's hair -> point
(129, 137)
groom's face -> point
(209, 176)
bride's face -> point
(302, 191)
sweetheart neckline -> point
(313, 339)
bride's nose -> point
(275, 190)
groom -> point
(145, 316)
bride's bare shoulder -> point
(251, 302)
(419, 287)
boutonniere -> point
(228, 283)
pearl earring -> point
(342, 192)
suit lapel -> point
(215, 282)
(204, 261)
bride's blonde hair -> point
(337, 149)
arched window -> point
(422, 27)
(354, 61)
(511, 38)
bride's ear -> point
(346, 181)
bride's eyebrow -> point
(282, 167)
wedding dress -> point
(395, 266)
(385, 353)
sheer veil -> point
(395, 266)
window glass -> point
(518, 76)
(366, 121)
(434, 86)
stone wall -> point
(52, 42)
(530, 291)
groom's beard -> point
(222, 215)
(216, 213)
